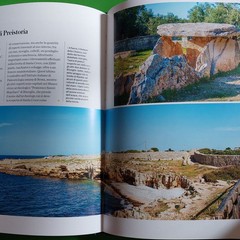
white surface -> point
(195, 229)
(50, 226)
(159, 229)
(69, 24)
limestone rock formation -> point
(197, 30)
(221, 54)
(204, 50)
(76, 169)
(122, 88)
(159, 73)
(216, 160)
(191, 56)
(199, 42)
(123, 84)
(165, 47)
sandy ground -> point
(181, 204)
(146, 194)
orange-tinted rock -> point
(158, 74)
(201, 41)
(221, 54)
(192, 55)
(165, 47)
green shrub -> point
(205, 151)
(225, 174)
(154, 149)
(227, 151)
(210, 177)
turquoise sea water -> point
(48, 197)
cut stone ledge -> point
(198, 30)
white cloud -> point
(228, 129)
(5, 125)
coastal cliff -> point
(63, 167)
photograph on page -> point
(177, 52)
(50, 161)
(173, 162)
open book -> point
(125, 123)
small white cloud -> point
(5, 125)
(228, 129)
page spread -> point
(50, 119)
(142, 143)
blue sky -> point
(177, 8)
(68, 130)
(176, 126)
(49, 131)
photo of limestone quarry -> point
(177, 52)
(173, 162)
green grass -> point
(225, 174)
(235, 71)
(130, 64)
(203, 89)
(210, 212)
(165, 167)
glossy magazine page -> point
(50, 119)
(172, 135)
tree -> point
(216, 13)
(154, 149)
(132, 22)
(157, 20)
(199, 12)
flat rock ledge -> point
(54, 167)
(198, 30)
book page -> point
(50, 119)
(172, 137)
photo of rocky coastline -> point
(61, 167)
(50, 161)
(177, 52)
(53, 186)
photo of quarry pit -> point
(186, 55)
(174, 185)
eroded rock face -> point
(156, 181)
(191, 56)
(159, 73)
(221, 54)
(122, 87)
(217, 160)
(205, 49)
(201, 41)
(84, 169)
(165, 47)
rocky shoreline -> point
(62, 167)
